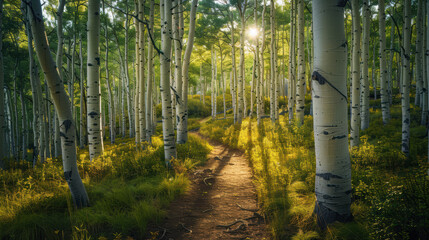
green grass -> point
(390, 189)
(128, 189)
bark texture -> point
(62, 105)
(333, 169)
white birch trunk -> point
(82, 132)
(149, 92)
(142, 114)
(385, 103)
(355, 104)
(167, 116)
(137, 76)
(183, 137)
(272, 62)
(291, 84)
(95, 141)
(62, 105)
(419, 55)
(257, 71)
(406, 75)
(234, 72)
(300, 85)
(333, 169)
(364, 117)
(177, 15)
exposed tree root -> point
(247, 209)
(207, 178)
(187, 229)
(210, 209)
(232, 224)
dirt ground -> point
(221, 202)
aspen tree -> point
(419, 55)
(262, 62)
(213, 83)
(355, 104)
(257, 70)
(35, 96)
(364, 116)
(273, 62)
(127, 75)
(427, 62)
(234, 72)
(300, 85)
(137, 75)
(167, 117)
(95, 141)
(333, 169)
(2, 102)
(109, 90)
(291, 84)
(385, 103)
(425, 78)
(390, 64)
(82, 129)
(149, 92)
(62, 105)
(185, 70)
(142, 115)
(178, 33)
(406, 75)
(241, 6)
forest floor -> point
(221, 202)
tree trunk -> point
(62, 105)
(2, 102)
(234, 72)
(385, 104)
(291, 84)
(241, 78)
(177, 15)
(137, 76)
(272, 61)
(355, 104)
(82, 132)
(425, 71)
(95, 141)
(364, 117)
(333, 168)
(406, 75)
(300, 85)
(150, 66)
(167, 120)
(419, 55)
(142, 115)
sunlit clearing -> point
(253, 32)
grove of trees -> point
(85, 82)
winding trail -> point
(221, 193)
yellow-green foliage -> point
(280, 155)
(128, 189)
(390, 190)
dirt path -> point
(219, 193)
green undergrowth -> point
(391, 191)
(128, 189)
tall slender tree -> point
(167, 119)
(149, 92)
(355, 117)
(333, 168)
(300, 85)
(385, 103)
(62, 105)
(95, 139)
(2, 102)
(364, 116)
(185, 69)
(406, 76)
